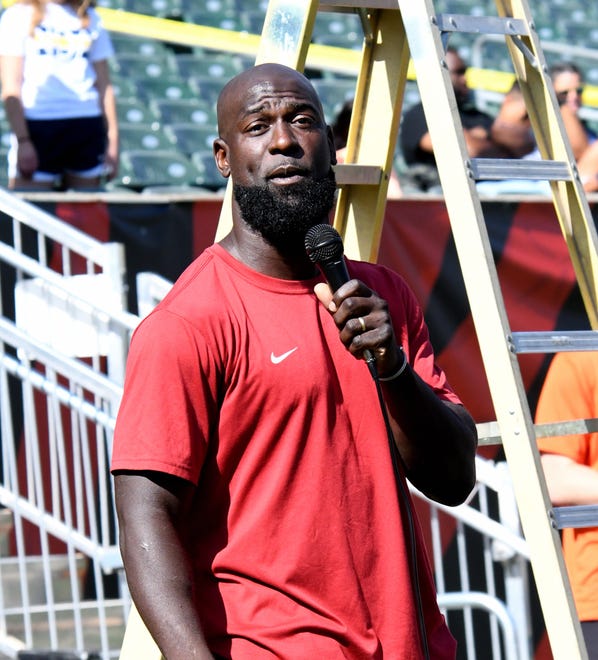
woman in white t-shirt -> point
(57, 95)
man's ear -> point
(221, 157)
(331, 147)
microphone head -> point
(323, 243)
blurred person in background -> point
(340, 130)
(481, 140)
(57, 95)
(570, 464)
(568, 83)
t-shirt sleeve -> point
(566, 395)
(102, 48)
(413, 128)
(420, 350)
(169, 406)
(14, 26)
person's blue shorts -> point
(75, 146)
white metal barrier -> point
(64, 334)
(489, 543)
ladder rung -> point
(489, 432)
(353, 173)
(508, 168)
(570, 517)
(331, 5)
(554, 341)
(568, 427)
(481, 24)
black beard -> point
(283, 216)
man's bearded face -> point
(282, 216)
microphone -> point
(324, 247)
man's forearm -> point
(160, 580)
(437, 440)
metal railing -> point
(64, 335)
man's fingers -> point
(324, 295)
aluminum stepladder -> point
(394, 30)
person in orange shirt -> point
(570, 463)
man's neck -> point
(256, 253)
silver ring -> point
(362, 324)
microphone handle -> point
(336, 275)
(335, 272)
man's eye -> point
(257, 127)
(304, 120)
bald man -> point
(260, 515)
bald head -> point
(238, 92)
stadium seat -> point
(111, 4)
(158, 8)
(3, 167)
(188, 138)
(144, 66)
(217, 65)
(123, 87)
(210, 5)
(134, 111)
(128, 44)
(189, 111)
(207, 88)
(5, 132)
(333, 93)
(253, 20)
(138, 136)
(141, 169)
(171, 88)
(335, 24)
(209, 175)
(225, 19)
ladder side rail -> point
(570, 201)
(563, 50)
(488, 313)
(373, 132)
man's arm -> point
(11, 77)
(108, 105)
(512, 128)
(569, 483)
(437, 440)
(575, 130)
(153, 514)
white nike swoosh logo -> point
(276, 359)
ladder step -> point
(574, 517)
(333, 5)
(507, 168)
(481, 24)
(353, 173)
(489, 432)
(553, 341)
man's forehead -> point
(267, 91)
(265, 85)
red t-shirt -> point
(239, 383)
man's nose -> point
(283, 136)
